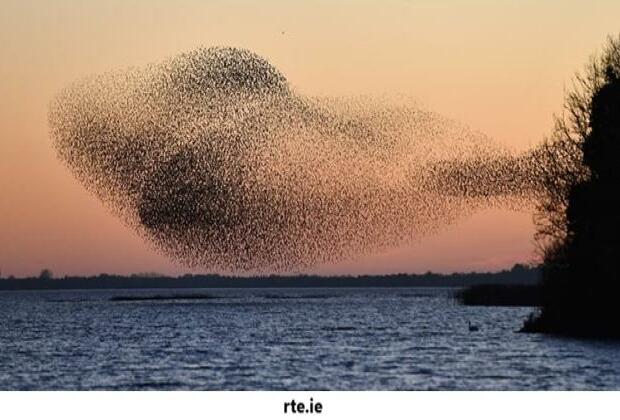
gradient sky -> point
(500, 67)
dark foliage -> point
(580, 271)
(500, 295)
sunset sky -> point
(501, 67)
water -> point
(346, 339)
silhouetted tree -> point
(578, 219)
(46, 274)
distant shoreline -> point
(518, 275)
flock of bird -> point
(218, 162)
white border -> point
(336, 405)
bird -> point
(472, 328)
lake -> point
(285, 339)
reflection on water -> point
(284, 339)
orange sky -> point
(499, 66)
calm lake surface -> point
(345, 339)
